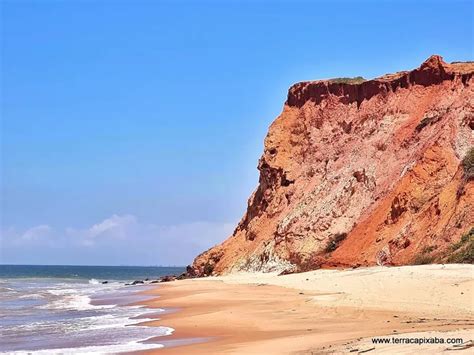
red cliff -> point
(361, 172)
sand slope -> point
(444, 290)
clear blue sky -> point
(131, 130)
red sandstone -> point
(360, 174)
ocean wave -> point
(69, 319)
(62, 291)
(114, 322)
(99, 322)
(7, 290)
(33, 296)
(93, 282)
(101, 349)
(74, 302)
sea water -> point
(67, 309)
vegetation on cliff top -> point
(355, 80)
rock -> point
(190, 272)
(137, 282)
(104, 282)
(183, 276)
(286, 272)
(168, 278)
(375, 160)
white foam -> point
(78, 302)
(7, 289)
(62, 291)
(110, 321)
(102, 349)
(77, 297)
(31, 296)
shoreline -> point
(56, 315)
(318, 311)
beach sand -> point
(319, 312)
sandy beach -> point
(318, 312)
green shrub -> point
(208, 269)
(423, 259)
(334, 242)
(355, 80)
(468, 164)
(423, 123)
(427, 120)
(463, 251)
(428, 249)
(425, 256)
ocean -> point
(68, 310)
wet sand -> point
(324, 311)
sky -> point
(131, 130)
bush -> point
(208, 269)
(423, 123)
(355, 80)
(423, 259)
(427, 120)
(334, 242)
(463, 251)
(468, 164)
(429, 249)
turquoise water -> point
(67, 309)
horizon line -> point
(181, 266)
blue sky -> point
(131, 130)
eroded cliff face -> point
(360, 174)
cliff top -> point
(434, 70)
